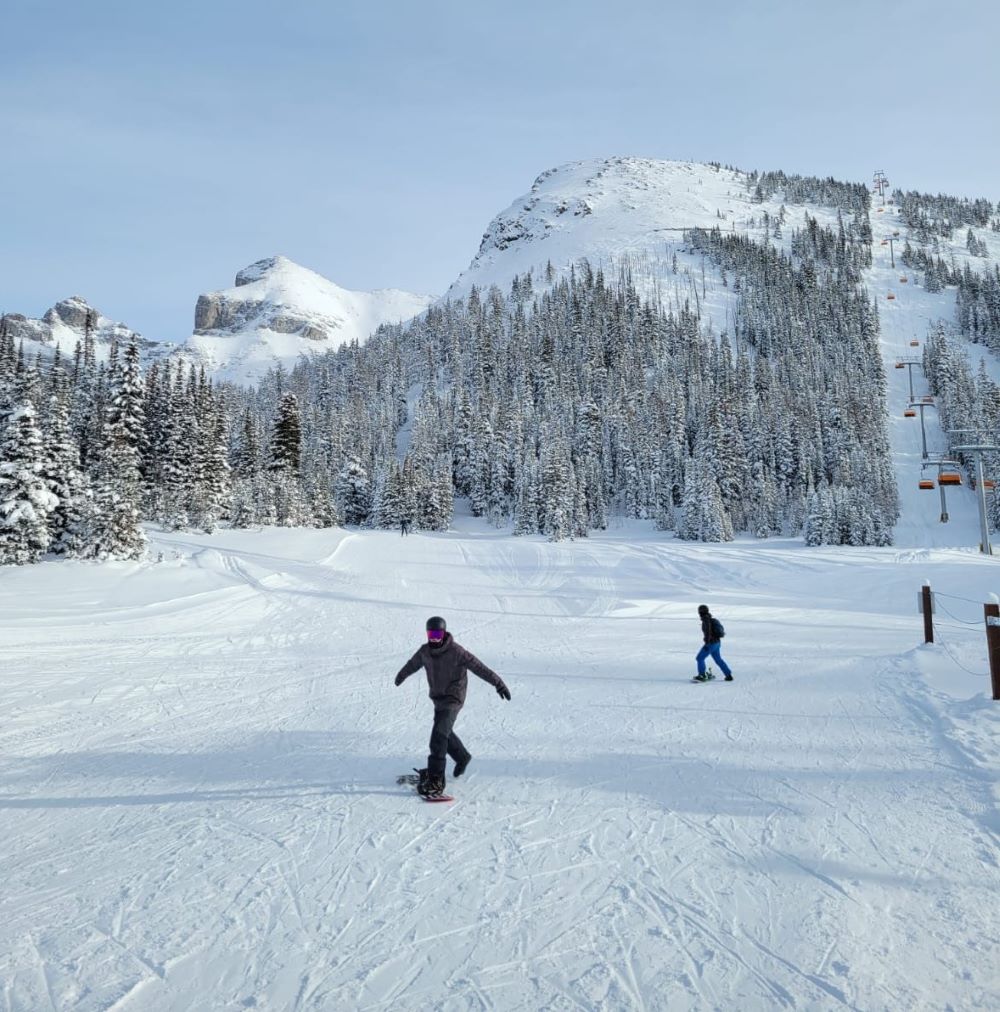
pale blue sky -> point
(151, 150)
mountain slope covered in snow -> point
(278, 311)
(67, 324)
(633, 213)
(605, 211)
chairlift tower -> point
(921, 405)
(978, 449)
(909, 363)
(894, 238)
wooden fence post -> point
(925, 601)
(992, 613)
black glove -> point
(400, 679)
(502, 691)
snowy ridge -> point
(65, 324)
(278, 311)
(604, 210)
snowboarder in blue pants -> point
(712, 632)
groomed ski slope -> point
(197, 764)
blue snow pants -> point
(712, 650)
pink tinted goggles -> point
(435, 634)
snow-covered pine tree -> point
(26, 501)
(175, 468)
(445, 493)
(291, 509)
(212, 492)
(353, 492)
(526, 509)
(70, 519)
(115, 530)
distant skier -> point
(446, 664)
(712, 633)
(404, 527)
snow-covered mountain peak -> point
(278, 310)
(603, 208)
(64, 325)
(282, 274)
(261, 268)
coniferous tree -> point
(352, 492)
(70, 519)
(116, 532)
(26, 502)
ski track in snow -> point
(199, 809)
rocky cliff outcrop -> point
(66, 323)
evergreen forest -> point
(550, 408)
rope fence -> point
(990, 617)
(975, 621)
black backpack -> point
(718, 630)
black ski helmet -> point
(436, 624)
(702, 609)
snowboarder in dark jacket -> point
(712, 633)
(446, 664)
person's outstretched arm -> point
(415, 663)
(487, 674)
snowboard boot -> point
(729, 678)
(461, 766)
(431, 787)
(705, 676)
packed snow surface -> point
(198, 759)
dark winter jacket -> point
(708, 631)
(446, 668)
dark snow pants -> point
(444, 741)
